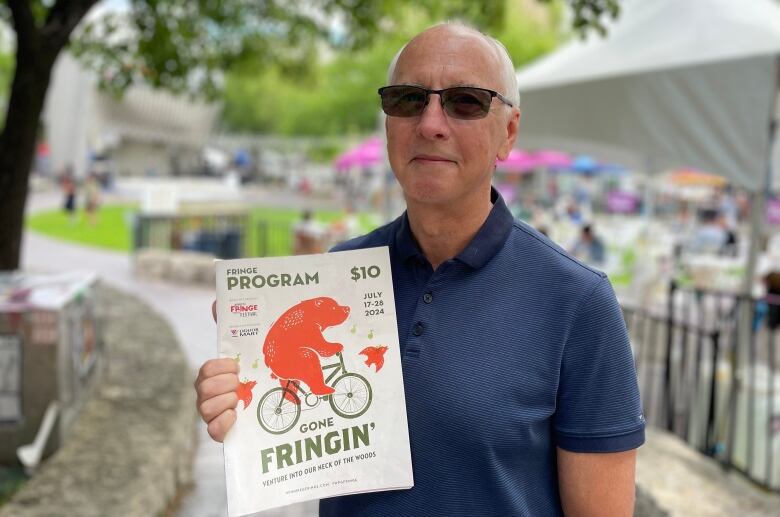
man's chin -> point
(429, 195)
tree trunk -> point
(36, 50)
(17, 149)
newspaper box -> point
(48, 351)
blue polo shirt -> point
(509, 350)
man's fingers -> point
(214, 367)
(219, 427)
(210, 408)
(217, 385)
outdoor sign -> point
(321, 408)
(10, 378)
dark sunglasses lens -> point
(466, 103)
(403, 101)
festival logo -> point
(244, 310)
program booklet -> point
(321, 408)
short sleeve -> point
(598, 406)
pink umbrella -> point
(550, 158)
(369, 152)
(523, 161)
(517, 161)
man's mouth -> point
(431, 158)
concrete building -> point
(145, 133)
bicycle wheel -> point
(276, 413)
(352, 396)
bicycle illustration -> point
(277, 413)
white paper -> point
(283, 320)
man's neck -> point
(442, 232)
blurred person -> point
(727, 206)
(304, 186)
(520, 387)
(589, 247)
(68, 186)
(585, 193)
(772, 284)
(683, 222)
(346, 226)
(710, 236)
(540, 218)
(728, 212)
(567, 209)
(731, 245)
(307, 235)
(92, 198)
(742, 200)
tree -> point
(181, 45)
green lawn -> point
(112, 228)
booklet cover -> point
(321, 408)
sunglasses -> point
(460, 102)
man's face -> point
(437, 159)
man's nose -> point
(433, 121)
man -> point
(520, 387)
(307, 235)
(589, 247)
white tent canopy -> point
(677, 82)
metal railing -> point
(710, 380)
(273, 239)
(224, 236)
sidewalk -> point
(685, 483)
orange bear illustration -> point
(294, 344)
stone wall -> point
(130, 451)
(187, 267)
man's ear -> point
(512, 129)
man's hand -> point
(216, 387)
(597, 484)
(217, 399)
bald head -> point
(501, 66)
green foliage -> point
(591, 14)
(324, 153)
(184, 45)
(339, 97)
(6, 74)
(334, 98)
(527, 38)
(187, 45)
(488, 15)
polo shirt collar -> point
(486, 243)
